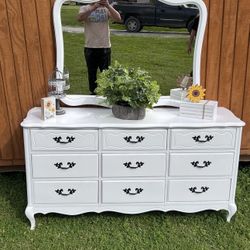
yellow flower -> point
(195, 93)
(49, 104)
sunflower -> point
(195, 93)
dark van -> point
(135, 15)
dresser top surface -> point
(95, 117)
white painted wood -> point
(134, 139)
(218, 190)
(133, 165)
(137, 191)
(131, 208)
(163, 181)
(64, 139)
(82, 192)
(203, 138)
(29, 212)
(199, 36)
(81, 99)
(231, 211)
(64, 165)
(77, 100)
(88, 117)
(201, 164)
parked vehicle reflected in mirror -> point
(137, 14)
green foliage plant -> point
(127, 86)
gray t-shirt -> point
(96, 28)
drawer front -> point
(199, 190)
(133, 191)
(134, 139)
(203, 138)
(64, 139)
(59, 165)
(57, 192)
(133, 165)
(201, 164)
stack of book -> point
(204, 109)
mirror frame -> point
(76, 100)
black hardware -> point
(70, 165)
(128, 164)
(70, 191)
(196, 164)
(137, 191)
(208, 138)
(203, 190)
(69, 139)
(129, 139)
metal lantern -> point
(58, 82)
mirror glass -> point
(158, 41)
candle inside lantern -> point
(60, 86)
(57, 86)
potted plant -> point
(130, 91)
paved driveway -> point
(125, 33)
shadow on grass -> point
(13, 195)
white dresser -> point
(89, 161)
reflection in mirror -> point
(159, 44)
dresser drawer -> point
(203, 138)
(65, 165)
(65, 192)
(134, 139)
(133, 165)
(199, 190)
(132, 191)
(201, 164)
(64, 139)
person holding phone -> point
(97, 49)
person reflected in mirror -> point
(97, 49)
(193, 27)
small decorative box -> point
(48, 107)
(178, 93)
(204, 109)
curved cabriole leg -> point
(232, 208)
(30, 215)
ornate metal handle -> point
(129, 139)
(208, 138)
(196, 164)
(70, 191)
(137, 191)
(60, 164)
(69, 139)
(128, 164)
(203, 190)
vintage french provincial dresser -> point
(89, 161)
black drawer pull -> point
(208, 138)
(70, 191)
(128, 164)
(129, 139)
(59, 165)
(69, 139)
(137, 191)
(203, 190)
(196, 164)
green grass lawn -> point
(152, 230)
(164, 58)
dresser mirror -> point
(69, 51)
